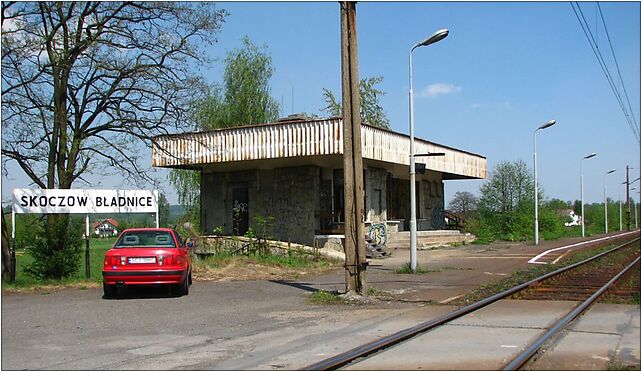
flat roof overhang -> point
(296, 143)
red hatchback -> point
(148, 256)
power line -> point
(617, 66)
(589, 36)
(608, 75)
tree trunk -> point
(6, 253)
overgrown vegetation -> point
(505, 209)
(51, 263)
(76, 279)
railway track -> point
(585, 281)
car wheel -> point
(109, 290)
(190, 277)
(185, 286)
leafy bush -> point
(49, 263)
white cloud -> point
(437, 89)
(505, 105)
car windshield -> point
(142, 239)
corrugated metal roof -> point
(305, 138)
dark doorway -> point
(240, 211)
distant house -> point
(572, 218)
(106, 228)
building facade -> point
(290, 173)
(106, 228)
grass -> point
(616, 366)
(456, 268)
(523, 276)
(97, 249)
(325, 298)
(405, 269)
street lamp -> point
(619, 196)
(606, 209)
(635, 209)
(549, 123)
(437, 36)
(582, 186)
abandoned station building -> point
(292, 171)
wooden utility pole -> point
(628, 202)
(354, 243)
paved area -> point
(268, 325)
(450, 271)
(490, 338)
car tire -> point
(109, 290)
(190, 277)
(185, 286)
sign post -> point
(12, 247)
(87, 261)
(76, 201)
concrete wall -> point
(295, 201)
(289, 195)
(375, 187)
(298, 197)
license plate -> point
(141, 260)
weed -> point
(617, 366)
(325, 298)
(372, 291)
(456, 268)
(405, 269)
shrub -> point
(49, 263)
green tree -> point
(371, 111)
(506, 201)
(243, 99)
(552, 217)
(88, 83)
(163, 211)
(463, 202)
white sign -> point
(84, 201)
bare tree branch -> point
(98, 78)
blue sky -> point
(505, 69)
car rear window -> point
(142, 239)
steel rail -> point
(375, 346)
(527, 354)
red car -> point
(148, 256)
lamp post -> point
(606, 209)
(582, 186)
(635, 209)
(437, 36)
(619, 196)
(549, 123)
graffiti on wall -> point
(378, 233)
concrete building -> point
(292, 171)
